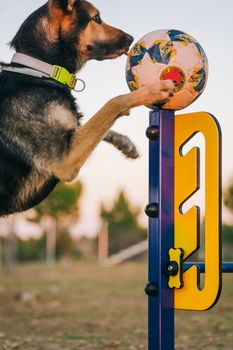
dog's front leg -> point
(86, 138)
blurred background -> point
(100, 217)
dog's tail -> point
(123, 144)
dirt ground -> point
(83, 306)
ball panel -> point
(197, 80)
(202, 55)
(151, 37)
(180, 37)
(187, 57)
(132, 80)
(136, 54)
(148, 73)
(162, 51)
(176, 74)
(180, 100)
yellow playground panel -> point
(188, 294)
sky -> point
(107, 171)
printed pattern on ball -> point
(181, 37)
(132, 80)
(137, 54)
(197, 80)
(176, 74)
(162, 51)
(169, 54)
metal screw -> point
(152, 133)
(152, 210)
(172, 268)
(151, 289)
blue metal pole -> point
(161, 229)
(227, 267)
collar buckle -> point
(62, 75)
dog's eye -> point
(97, 19)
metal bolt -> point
(151, 289)
(152, 133)
(172, 268)
(152, 210)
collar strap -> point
(44, 69)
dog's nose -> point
(129, 39)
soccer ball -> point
(169, 54)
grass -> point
(83, 306)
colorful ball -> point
(169, 54)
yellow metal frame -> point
(191, 297)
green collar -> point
(38, 68)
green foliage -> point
(35, 250)
(122, 219)
(227, 234)
(65, 245)
(31, 250)
(63, 200)
(228, 196)
(227, 239)
(227, 231)
(62, 206)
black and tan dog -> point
(41, 139)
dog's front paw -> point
(123, 144)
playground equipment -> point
(173, 283)
(174, 235)
(174, 177)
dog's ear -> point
(71, 4)
(65, 5)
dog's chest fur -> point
(36, 126)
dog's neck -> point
(55, 54)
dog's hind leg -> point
(122, 143)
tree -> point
(61, 203)
(31, 250)
(227, 231)
(228, 196)
(10, 246)
(122, 219)
(227, 234)
(57, 212)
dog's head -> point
(70, 30)
(93, 38)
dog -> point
(42, 140)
